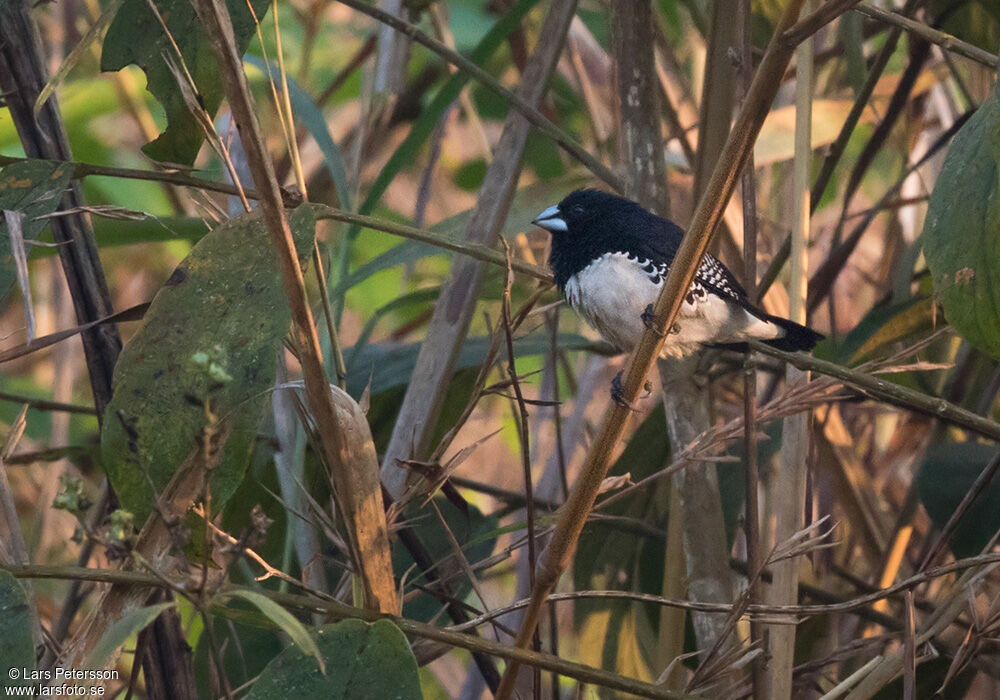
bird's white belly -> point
(613, 292)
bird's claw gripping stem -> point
(618, 392)
(649, 320)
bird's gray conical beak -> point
(551, 220)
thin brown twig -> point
(909, 649)
(890, 392)
(466, 247)
(138, 578)
(449, 324)
(523, 420)
(46, 405)
(816, 20)
(838, 148)
(934, 36)
(82, 169)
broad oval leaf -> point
(243, 647)
(961, 235)
(17, 649)
(363, 662)
(211, 333)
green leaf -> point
(17, 649)
(420, 296)
(34, 188)
(222, 312)
(962, 231)
(363, 662)
(82, 48)
(947, 473)
(119, 631)
(406, 252)
(285, 621)
(853, 40)
(154, 229)
(527, 203)
(136, 36)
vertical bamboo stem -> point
(706, 554)
(787, 486)
(751, 515)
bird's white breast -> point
(612, 293)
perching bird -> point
(610, 257)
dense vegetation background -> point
(193, 509)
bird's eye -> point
(577, 210)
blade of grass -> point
(107, 14)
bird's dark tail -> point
(796, 337)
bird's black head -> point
(589, 223)
(586, 213)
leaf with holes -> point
(962, 232)
(211, 334)
(137, 35)
(363, 662)
(33, 188)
